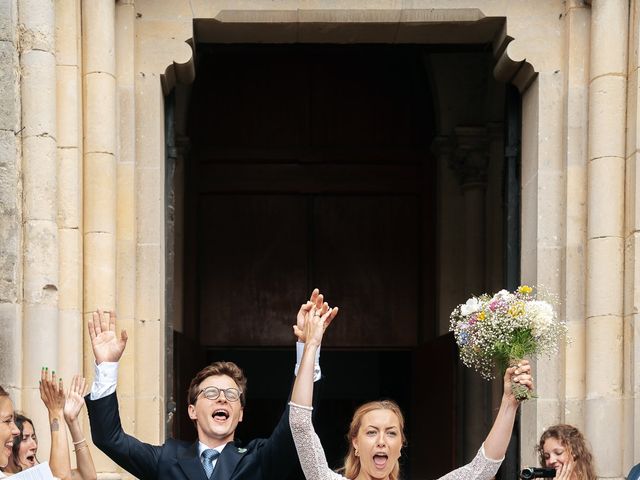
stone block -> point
(605, 276)
(39, 168)
(67, 32)
(603, 428)
(37, 22)
(69, 188)
(10, 345)
(70, 330)
(99, 271)
(632, 113)
(100, 124)
(8, 21)
(150, 418)
(149, 123)
(41, 263)
(149, 290)
(9, 100)
(149, 199)
(604, 356)
(10, 219)
(609, 28)
(127, 124)
(607, 112)
(606, 197)
(98, 49)
(70, 294)
(99, 193)
(126, 280)
(68, 114)
(125, 42)
(575, 353)
(161, 43)
(630, 182)
(149, 339)
(40, 327)
(38, 90)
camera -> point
(534, 472)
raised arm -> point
(318, 317)
(73, 404)
(496, 443)
(485, 466)
(52, 395)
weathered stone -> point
(10, 218)
(9, 97)
(8, 20)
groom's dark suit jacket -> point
(261, 459)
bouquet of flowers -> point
(499, 330)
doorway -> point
(309, 165)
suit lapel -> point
(227, 462)
(190, 463)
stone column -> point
(99, 160)
(126, 214)
(469, 162)
(604, 333)
(39, 173)
(69, 126)
(572, 308)
(10, 204)
(100, 129)
(631, 378)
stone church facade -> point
(96, 121)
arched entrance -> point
(312, 165)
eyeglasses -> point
(211, 393)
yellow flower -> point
(481, 316)
(525, 289)
(516, 310)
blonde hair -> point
(351, 467)
(572, 439)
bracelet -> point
(80, 441)
(77, 449)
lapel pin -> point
(242, 450)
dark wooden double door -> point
(309, 166)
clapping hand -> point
(51, 391)
(107, 347)
(75, 399)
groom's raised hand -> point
(107, 347)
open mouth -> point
(31, 460)
(220, 415)
(380, 460)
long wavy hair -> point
(351, 467)
(572, 439)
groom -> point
(216, 406)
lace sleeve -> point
(480, 468)
(310, 452)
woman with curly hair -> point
(564, 448)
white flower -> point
(541, 316)
(473, 305)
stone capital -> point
(470, 157)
